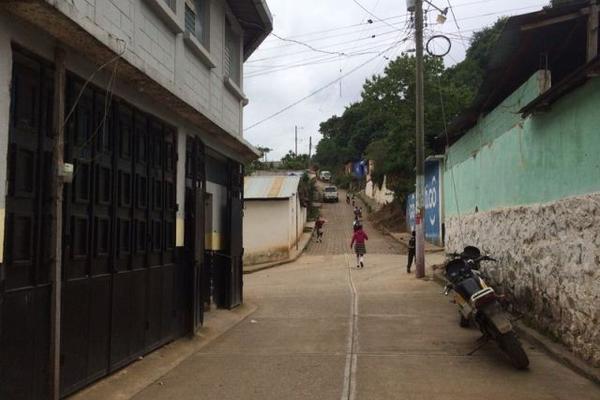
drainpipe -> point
(57, 228)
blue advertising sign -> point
(358, 169)
(411, 207)
(433, 226)
(433, 207)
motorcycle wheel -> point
(513, 349)
(464, 322)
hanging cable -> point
(306, 45)
(456, 23)
(321, 88)
(90, 78)
(375, 16)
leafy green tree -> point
(294, 161)
(264, 151)
(381, 126)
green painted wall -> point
(507, 161)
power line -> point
(322, 88)
(323, 61)
(391, 32)
(373, 15)
(456, 23)
(373, 24)
(324, 47)
(306, 45)
(365, 49)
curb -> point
(556, 351)
(282, 262)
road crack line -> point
(349, 388)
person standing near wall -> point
(411, 251)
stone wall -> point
(549, 264)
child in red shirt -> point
(358, 241)
(319, 228)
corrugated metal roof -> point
(270, 187)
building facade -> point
(121, 127)
(523, 177)
(274, 218)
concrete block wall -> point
(14, 31)
(159, 50)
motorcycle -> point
(477, 302)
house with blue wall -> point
(522, 173)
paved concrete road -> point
(325, 330)
(338, 232)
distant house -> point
(380, 193)
(523, 172)
(274, 217)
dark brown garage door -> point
(119, 273)
(25, 275)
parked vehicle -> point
(330, 194)
(325, 176)
(478, 303)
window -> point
(232, 62)
(196, 20)
(171, 4)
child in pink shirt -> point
(358, 241)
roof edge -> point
(266, 17)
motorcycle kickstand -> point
(482, 341)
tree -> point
(264, 151)
(294, 161)
(381, 125)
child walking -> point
(319, 228)
(358, 241)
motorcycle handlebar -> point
(481, 258)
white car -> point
(325, 176)
(330, 194)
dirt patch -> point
(390, 217)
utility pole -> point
(309, 150)
(296, 140)
(420, 139)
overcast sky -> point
(280, 73)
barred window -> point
(197, 20)
(232, 60)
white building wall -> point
(299, 223)
(266, 236)
(216, 236)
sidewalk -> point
(129, 381)
(404, 237)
